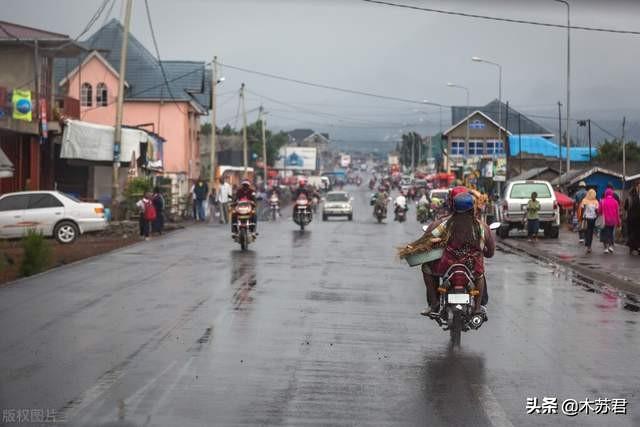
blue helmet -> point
(463, 202)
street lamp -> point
(566, 3)
(478, 59)
(466, 89)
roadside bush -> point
(37, 253)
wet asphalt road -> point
(313, 328)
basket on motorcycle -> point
(422, 257)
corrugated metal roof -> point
(534, 144)
(492, 110)
(11, 31)
(187, 80)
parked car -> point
(337, 203)
(514, 204)
(52, 213)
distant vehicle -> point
(514, 204)
(440, 193)
(52, 213)
(363, 167)
(337, 203)
(420, 183)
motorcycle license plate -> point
(458, 298)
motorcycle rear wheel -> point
(455, 330)
(243, 238)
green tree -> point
(611, 151)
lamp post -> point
(212, 156)
(566, 3)
(466, 89)
(478, 59)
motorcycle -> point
(422, 213)
(302, 212)
(372, 184)
(315, 201)
(243, 223)
(358, 181)
(379, 212)
(458, 295)
(274, 205)
(401, 214)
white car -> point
(52, 213)
(337, 203)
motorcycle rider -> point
(400, 204)
(302, 190)
(424, 203)
(245, 192)
(381, 198)
(470, 240)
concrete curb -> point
(626, 285)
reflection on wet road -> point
(319, 327)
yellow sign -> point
(22, 106)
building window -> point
(495, 148)
(476, 147)
(457, 148)
(86, 95)
(101, 95)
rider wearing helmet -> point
(469, 241)
(245, 192)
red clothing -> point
(610, 209)
(472, 256)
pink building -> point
(169, 104)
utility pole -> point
(117, 139)
(624, 156)
(212, 157)
(568, 127)
(507, 148)
(520, 141)
(589, 131)
(560, 142)
(263, 124)
(245, 147)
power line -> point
(603, 129)
(335, 88)
(495, 18)
(159, 60)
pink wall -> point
(179, 126)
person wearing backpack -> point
(147, 214)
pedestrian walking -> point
(532, 216)
(577, 200)
(589, 209)
(632, 209)
(147, 214)
(213, 205)
(200, 193)
(158, 203)
(224, 196)
(611, 213)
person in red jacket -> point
(245, 192)
(610, 209)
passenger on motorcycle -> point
(381, 198)
(469, 241)
(400, 203)
(245, 192)
(305, 191)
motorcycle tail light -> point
(458, 280)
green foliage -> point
(611, 151)
(409, 140)
(134, 191)
(37, 253)
(227, 130)
(205, 129)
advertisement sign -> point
(345, 160)
(296, 158)
(21, 101)
(44, 129)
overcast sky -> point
(389, 51)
